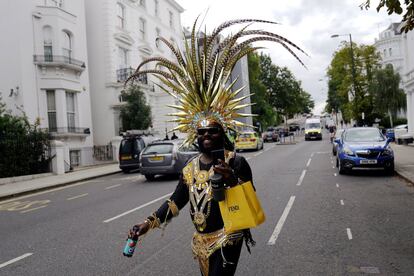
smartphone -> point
(217, 154)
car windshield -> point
(246, 135)
(313, 125)
(159, 149)
(363, 135)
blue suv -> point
(364, 147)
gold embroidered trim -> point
(173, 208)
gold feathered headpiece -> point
(199, 77)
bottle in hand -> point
(131, 243)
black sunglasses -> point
(209, 130)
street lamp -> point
(352, 66)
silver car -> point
(165, 157)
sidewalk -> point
(51, 181)
(404, 161)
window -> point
(142, 24)
(390, 51)
(51, 110)
(142, 3)
(70, 111)
(121, 16)
(158, 34)
(171, 17)
(75, 157)
(156, 7)
(47, 43)
(122, 58)
(67, 45)
(385, 52)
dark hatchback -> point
(130, 149)
(364, 147)
(165, 158)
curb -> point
(406, 178)
(5, 197)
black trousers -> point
(231, 254)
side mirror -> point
(389, 140)
(337, 140)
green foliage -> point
(266, 115)
(395, 6)
(136, 113)
(348, 93)
(284, 93)
(24, 147)
(389, 97)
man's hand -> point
(226, 171)
(143, 229)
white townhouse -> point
(408, 76)
(43, 70)
(121, 34)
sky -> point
(307, 23)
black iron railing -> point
(59, 59)
(64, 130)
(124, 73)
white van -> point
(313, 129)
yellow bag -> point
(241, 208)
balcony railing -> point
(68, 130)
(124, 73)
(51, 59)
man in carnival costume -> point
(199, 79)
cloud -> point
(308, 24)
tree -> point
(352, 94)
(266, 116)
(24, 147)
(389, 97)
(284, 92)
(136, 113)
(394, 6)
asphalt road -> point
(318, 223)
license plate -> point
(243, 139)
(156, 158)
(126, 157)
(368, 162)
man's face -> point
(210, 138)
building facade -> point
(44, 70)
(121, 34)
(408, 76)
(389, 45)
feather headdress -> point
(199, 77)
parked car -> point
(338, 135)
(132, 143)
(165, 157)
(270, 135)
(294, 127)
(364, 147)
(248, 140)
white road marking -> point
(15, 259)
(267, 149)
(309, 161)
(342, 202)
(33, 209)
(46, 192)
(333, 167)
(312, 154)
(78, 196)
(281, 221)
(332, 161)
(334, 174)
(113, 186)
(337, 185)
(137, 208)
(135, 177)
(257, 154)
(301, 178)
(348, 232)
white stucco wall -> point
(104, 39)
(21, 27)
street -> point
(317, 223)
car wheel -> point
(149, 177)
(342, 170)
(389, 170)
